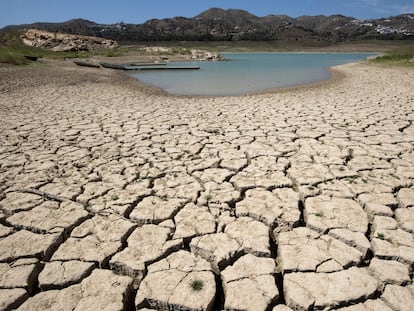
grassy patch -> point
(197, 285)
(402, 56)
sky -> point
(14, 12)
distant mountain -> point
(217, 24)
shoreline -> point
(108, 186)
(335, 76)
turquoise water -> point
(244, 73)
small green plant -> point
(214, 131)
(207, 198)
(395, 176)
(352, 179)
(86, 205)
(197, 285)
(380, 236)
(311, 188)
(341, 169)
(115, 197)
(319, 214)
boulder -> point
(61, 42)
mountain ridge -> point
(217, 24)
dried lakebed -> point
(115, 198)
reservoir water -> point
(244, 73)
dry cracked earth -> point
(112, 198)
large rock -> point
(181, 281)
(61, 42)
(327, 290)
(102, 290)
(249, 284)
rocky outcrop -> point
(62, 42)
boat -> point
(32, 58)
(139, 68)
(145, 64)
(147, 67)
(86, 64)
(113, 66)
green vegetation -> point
(402, 57)
(207, 198)
(380, 236)
(13, 51)
(197, 285)
(115, 197)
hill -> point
(218, 25)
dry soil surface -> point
(116, 196)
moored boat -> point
(113, 66)
(86, 64)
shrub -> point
(197, 285)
